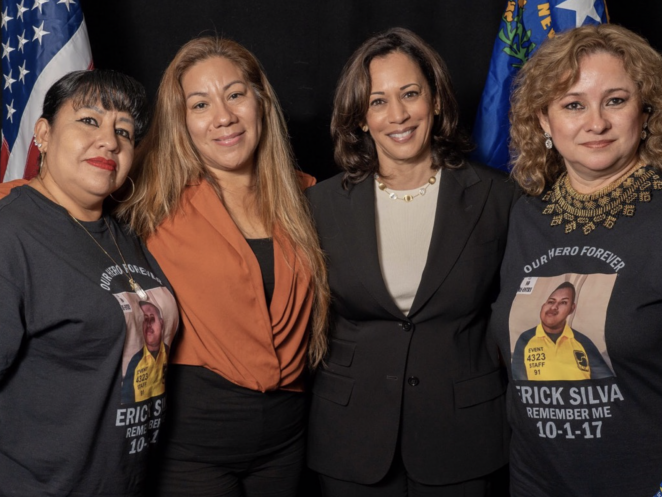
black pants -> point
(225, 440)
(397, 483)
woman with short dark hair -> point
(71, 283)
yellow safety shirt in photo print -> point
(566, 359)
(149, 378)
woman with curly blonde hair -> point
(535, 166)
(578, 315)
(221, 205)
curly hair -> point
(551, 71)
(354, 150)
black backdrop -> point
(303, 45)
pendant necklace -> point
(142, 294)
(135, 286)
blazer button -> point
(413, 381)
(407, 326)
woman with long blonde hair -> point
(221, 205)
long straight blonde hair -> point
(167, 161)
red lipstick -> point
(102, 163)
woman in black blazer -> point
(411, 398)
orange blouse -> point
(226, 325)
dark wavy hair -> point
(354, 150)
(114, 90)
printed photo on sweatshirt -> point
(150, 331)
(557, 328)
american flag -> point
(42, 40)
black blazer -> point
(427, 381)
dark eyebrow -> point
(606, 92)
(205, 94)
(401, 88)
(612, 90)
(99, 110)
(102, 111)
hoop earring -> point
(548, 141)
(42, 156)
(133, 191)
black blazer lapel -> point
(462, 196)
(354, 213)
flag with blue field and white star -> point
(525, 24)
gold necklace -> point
(603, 207)
(407, 197)
(135, 286)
